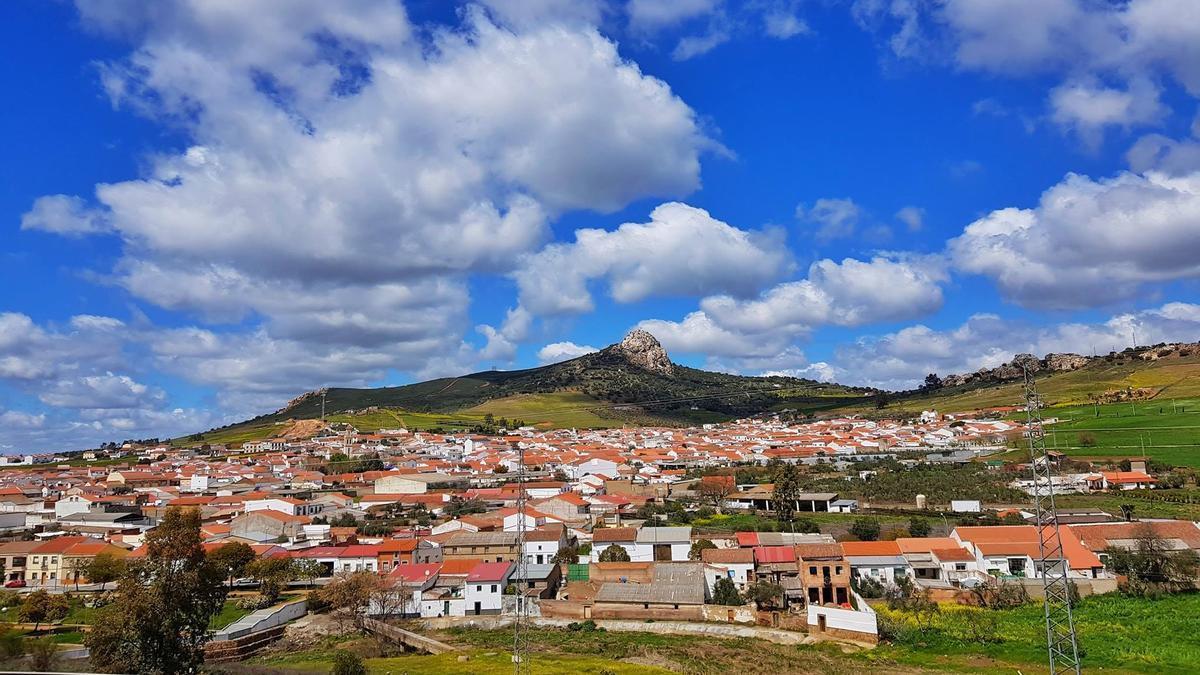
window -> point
(493, 588)
(960, 567)
(813, 570)
(839, 569)
(479, 588)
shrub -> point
(12, 645)
(43, 654)
(346, 663)
(252, 602)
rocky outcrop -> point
(643, 350)
(1060, 363)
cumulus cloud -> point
(913, 218)
(21, 420)
(849, 293)
(833, 218)
(562, 351)
(759, 335)
(502, 343)
(344, 175)
(682, 251)
(102, 392)
(1088, 242)
(1087, 107)
(900, 360)
(63, 214)
(1132, 43)
(784, 23)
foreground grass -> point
(1116, 633)
(479, 663)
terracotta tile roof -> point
(875, 548)
(611, 534)
(744, 556)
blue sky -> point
(208, 208)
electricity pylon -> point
(1062, 647)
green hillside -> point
(622, 384)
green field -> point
(1165, 430)
(558, 409)
(1116, 634)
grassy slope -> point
(557, 409)
(1172, 378)
(1115, 633)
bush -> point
(253, 602)
(868, 587)
(866, 529)
(346, 663)
(12, 645)
(43, 654)
(588, 626)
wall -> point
(743, 614)
(639, 572)
(844, 623)
(262, 620)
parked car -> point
(15, 583)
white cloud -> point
(502, 343)
(562, 351)
(913, 218)
(900, 360)
(63, 214)
(1134, 43)
(682, 251)
(21, 420)
(346, 174)
(759, 335)
(849, 293)
(1088, 242)
(834, 218)
(101, 391)
(1155, 152)
(784, 24)
(1088, 107)
(692, 46)
(532, 13)
(659, 14)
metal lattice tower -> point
(1062, 646)
(520, 655)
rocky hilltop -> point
(1066, 362)
(642, 349)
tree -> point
(77, 567)
(272, 574)
(764, 593)
(614, 553)
(715, 489)
(725, 593)
(40, 606)
(787, 491)
(698, 548)
(919, 527)
(865, 529)
(159, 621)
(347, 663)
(349, 594)
(932, 382)
(882, 399)
(1151, 567)
(566, 555)
(105, 567)
(307, 569)
(232, 559)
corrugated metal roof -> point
(664, 535)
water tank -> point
(920, 501)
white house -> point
(591, 466)
(659, 544)
(484, 589)
(288, 505)
(73, 504)
(966, 506)
(542, 544)
(735, 563)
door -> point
(477, 608)
(820, 623)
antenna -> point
(323, 391)
(520, 655)
(1061, 645)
